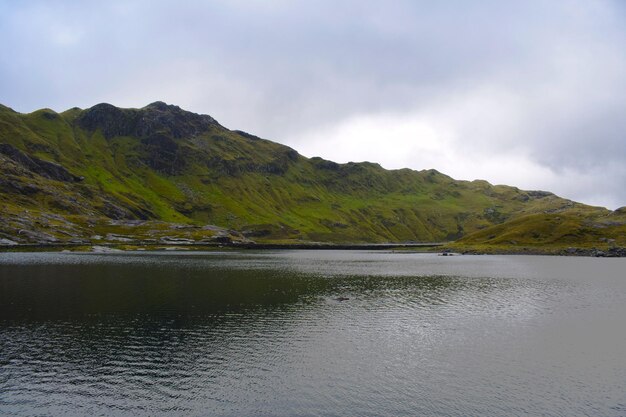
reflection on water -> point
(245, 333)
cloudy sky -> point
(526, 93)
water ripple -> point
(310, 333)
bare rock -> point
(37, 237)
(104, 249)
(118, 238)
(38, 166)
(176, 240)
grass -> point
(583, 227)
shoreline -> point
(224, 245)
(425, 247)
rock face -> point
(38, 166)
(161, 153)
(37, 236)
(613, 252)
(157, 117)
(159, 126)
(539, 194)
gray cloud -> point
(540, 82)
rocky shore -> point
(180, 244)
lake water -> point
(265, 333)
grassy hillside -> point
(582, 230)
(160, 172)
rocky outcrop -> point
(539, 194)
(162, 154)
(246, 135)
(46, 169)
(156, 117)
(612, 252)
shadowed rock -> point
(156, 117)
(38, 166)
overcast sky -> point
(526, 93)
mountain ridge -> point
(164, 165)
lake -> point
(308, 333)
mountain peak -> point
(162, 106)
(155, 118)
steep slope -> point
(157, 171)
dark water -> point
(239, 334)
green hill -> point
(159, 173)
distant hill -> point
(161, 174)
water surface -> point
(264, 333)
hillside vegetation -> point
(162, 174)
